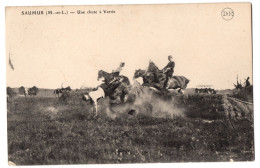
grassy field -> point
(43, 130)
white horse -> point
(93, 97)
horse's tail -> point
(186, 82)
(182, 81)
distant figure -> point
(23, 91)
(116, 72)
(61, 90)
(169, 69)
(238, 85)
(33, 91)
(247, 82)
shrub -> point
(65, 97)
(10, 92)
(21, 90)
(245, 94)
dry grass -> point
(43, 130)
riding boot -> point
(165, 82)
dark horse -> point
(60, 90)
(117, 90)
(153, 77)
(33, 91)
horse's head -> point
(101, 75)
(139, 73)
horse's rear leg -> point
(181, 91)
(125, 98)
(96, 108)
(124, 95)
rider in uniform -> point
(168, 69)
(109, 86)
(116, 72)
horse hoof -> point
(131, 112)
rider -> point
(247, 82)
(116, 72)
(168, 69)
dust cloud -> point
(51, 111)
(143, 101)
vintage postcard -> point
(129, 84)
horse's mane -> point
(152, 65)
(102, 71)
(142, 70)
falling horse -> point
(117, 90)
(116, 93)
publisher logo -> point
(227, 14)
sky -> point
(48, 51)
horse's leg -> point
(124, 94)
(170, 84)
(95, 108)
(92, 109)
(181, 91)
(125, 98)
(167, 85)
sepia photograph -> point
(117, 84)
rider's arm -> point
(165, 67)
